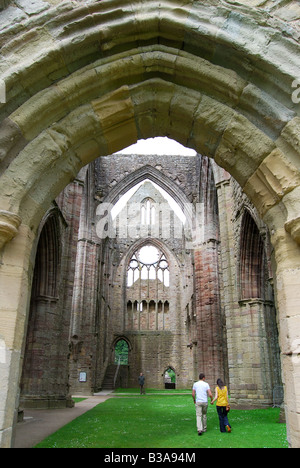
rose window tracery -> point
(148, 281)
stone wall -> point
(163, 344)
(188, 325)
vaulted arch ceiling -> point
(87, 80)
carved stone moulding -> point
(9, 225)
(293, 227)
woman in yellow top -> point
(222, 405)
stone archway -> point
(98, 77)
(164, 182)
(169, 376)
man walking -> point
(201, 391)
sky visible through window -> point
(148, 263)
(158, 146)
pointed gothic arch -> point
(148, 172)
(252, 259)
(158, 68)
(42, 343)
(165, 183)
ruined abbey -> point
(187, 262)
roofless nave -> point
(86, 79)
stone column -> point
(15, 280)
(208, 311)
(83, 314)
(229, 299)
(287, 268)
(83, 328)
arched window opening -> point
(148, 212)
(129, 306)
(252, 260)
(148, 263)
(45, 280)
(170, 378)
(121, 353)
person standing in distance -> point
(201, 392)
(142, 383)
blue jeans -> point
(223, 419)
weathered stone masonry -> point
(86, 79)
(177, 322)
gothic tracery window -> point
(148, 280)
(148, 263)
(121, 352)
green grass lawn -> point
(166, 422)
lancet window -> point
(148, 212)
(252, 260)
